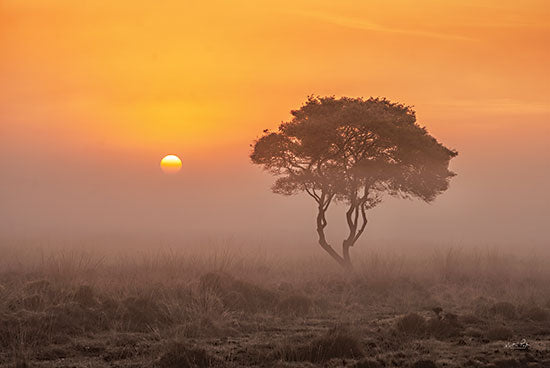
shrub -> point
(216, 282)
(442, 328)
(424, 364)
(368, 363)
(52, 353)
(21, 363)
(38, 286)
(508, 363)
(180, 356)
(535, 313)
(499, 333)
(72, 319)
(84, 296)
(295, 305)
(142, 312)
(447, 326)
(504, 309)
(470, 319)
(236, 294)
(473, 332)
(68, 319)
(32, 302)
(337, 343)
(411, 324)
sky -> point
(94, 93)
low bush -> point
(178, 355)
(504, 309)
(499, 333)
(295, 305)
(337, 343)
(238, 295)
(535, 313)
(424, 364)
(411, 324)
(368, 363)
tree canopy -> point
(354, 150)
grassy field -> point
(447, 308)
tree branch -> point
(312, 194)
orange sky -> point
(116, 85)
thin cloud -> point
(362, 24)
(504, 105)
(509, 24)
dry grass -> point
(412, 324)
(338, 342)
(175, 309)
(179, 355)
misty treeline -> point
(353, 150)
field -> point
(446, 308)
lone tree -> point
(353, 150)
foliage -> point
(353, 150)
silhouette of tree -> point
(353, 150)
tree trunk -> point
(323, 200)
(321, 224)
(345, 252)
(356, 226)
(341, 261)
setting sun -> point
(170, 164)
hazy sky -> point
(94, 93)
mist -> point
(69, 194)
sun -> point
(170, 164)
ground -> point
(447, 310)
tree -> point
(353, 150)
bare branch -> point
(312, 194)
(327, 202)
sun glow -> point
(170, 164)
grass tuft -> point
(297, 305)
(84, 296)
(236, 294)
(368, 363)
(179, 355)
(504, 309)
(424, 364)
(411, 324)
(535, 313)
(339, 342)
(499, 333)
